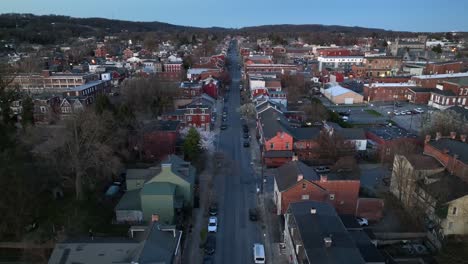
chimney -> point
(313, 210)
(453, 135)
(463, 138)
(438, 136)
(300, 177)
(166, 166)
(323, 178)
(327, 241)
(428, 138)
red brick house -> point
(159, 139)
(196, 114)
(386, 139)
(295, 182)
(172, 67)
(191, 89)
(451, 152)
(450, 93)
(275, 139)
(100, 52)
(210, 87)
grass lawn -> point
(373, 112)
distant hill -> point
(51, 29)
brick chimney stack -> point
(438, 136)
(453, 135)
(463, 138)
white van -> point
(259, 253)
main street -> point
(235, 185)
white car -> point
(213, 224)
(419, 110)
(362, 221)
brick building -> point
(333, 52)
(450, 93)
(451, 152)
(378, 66)
(191, 89)
(419, 95)
(443, 67)
(196, 114)
(387, 139)
(100, 52)
(434, 79)
(386, 92)
(282, 68)
(172, 67)
(159, 139)
(295, 182)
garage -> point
(348, 100)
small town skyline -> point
(413, 16)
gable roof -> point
(159, 246)
(305, 133)
(272, 122)
(338, 90)
(313, 228)
(158, 188)
(286, 175)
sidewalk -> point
(271, 227)
(192, 252)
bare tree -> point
(83, 152)
(445, 122)
(294, 85)
(333, 146)
(248, 111)
(315, 112)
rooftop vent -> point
(327, 241)
(313, 210)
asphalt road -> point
(235, 186)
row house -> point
(172, 67)
(386, 92)
(450, 93)
(46, 109)
(295, 182)
(72, 105)
(333, 52)
(315, 233)
(198, 113)
(258, 59)
(210, 86)
(191, 89)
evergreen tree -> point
(192, 144)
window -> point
(191, 111)
(43, 109)
(450, 225)
(189, 118)
(305, 197)
(202, 118)
(304, 185)
(454, 210)
(332, 196)
(287, 145)
(272, 146)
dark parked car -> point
(253, 214)
(213, 209)
(246, 144)
(344, 113)
(246, 135)
(208, 260)
(224, 127)
(322, 169)
(245, 128)
(224, 118)
(210, 245)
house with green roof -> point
(157, 192)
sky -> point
(399, 15)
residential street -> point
(235, 186)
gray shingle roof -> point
(454, 147)
(286, 175)
(446, 189)
(313, 228)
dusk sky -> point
(405, 15)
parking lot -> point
(411, 122)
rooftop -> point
(438, 76)
(407, 84)
(423, 162)
(286, 175)
(338, 90)
(325, 223)
(454, 147)
(444, 187)
(390, 133)
(87, 85)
